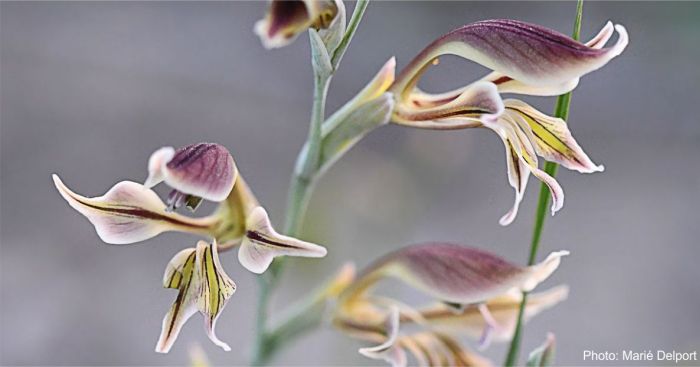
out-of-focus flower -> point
(429, 348)
(543, 356)
(455, 274)
(202, 286)
(198, 357)
(503, 309)
(286, 19)
(525, 59)
(467, 281)
(130, 212)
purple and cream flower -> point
(525, 59)
(428, 348)
(130, 212)
(478, 292)
(286, 19)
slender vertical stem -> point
(300, 190)
(299, 194)
(562, 111)
(357, 14)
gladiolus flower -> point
(285, 20)
(525, 59)
(479, 293)
(130, 212)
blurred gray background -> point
(89, 90)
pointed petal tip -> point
(214, 339)
(540, 272)
(622, 42)
(558, 204)
(506, 220)
(388, 351)
(156, 164)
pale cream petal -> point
(518, 174)
(262, 244)
(477, 102)
(417, 350)
(602, 37)
(539, 272)
(129, 212)
(507, 85)
(185, 304)
(504, 310)
(389, 351)
(156, 165)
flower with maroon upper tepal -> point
(286, 19)
(525, 59)
(467, 281)
(130, 212)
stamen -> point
(177, 198)
(192, 202)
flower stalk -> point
(302, 183)
(561, 111)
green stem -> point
(301, 187)
(357, 14)
(562, 111)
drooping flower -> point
(130, 212)
(525, 59)
(476, 291)
(286, 19)
(202, 286)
